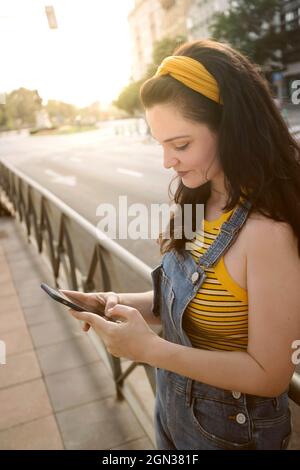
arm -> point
(266, 368)
(141, 301)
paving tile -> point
(30, 292)
(17, 340)
(23, 269)
(29, 284)
(11, 320)
(15, 240)
(7, 222)
(26, 253)
(11, 245)
(99, 425)
(44, 312)
(138, 444)
(54, 332)
(4, 274)
(40, 434)
(8, 303)
(80, 385)
(7, 287)
(23, 403)
(66, 355)
(19, 368)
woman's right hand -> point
(96, 302)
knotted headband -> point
(192, 74)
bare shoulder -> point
(263, 233)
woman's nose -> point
(169, 161)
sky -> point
(86, 59)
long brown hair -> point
(259, 157)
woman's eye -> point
(182, 148)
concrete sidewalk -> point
(55, 391)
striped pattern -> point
(217, 317)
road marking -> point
(125, 171)
(61, 179)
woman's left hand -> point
(130, 337)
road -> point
(90, 168)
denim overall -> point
(193, 415)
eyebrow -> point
(173, 138)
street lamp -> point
(51, 17)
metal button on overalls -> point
(236, 394)
(195, 277)
(240, 418)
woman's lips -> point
(182, 173)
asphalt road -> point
(91, 168)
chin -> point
(190, 185)
(193, 184)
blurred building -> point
(150, 21)
(290, 22)
(199, 16)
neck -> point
(219, 196)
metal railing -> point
(19, 190)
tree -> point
(129, 99)
(60, 112)
(2, 116)
(250, 26)
(165, 47)
(20, 108)
(90, 114)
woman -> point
(228, 298)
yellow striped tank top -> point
(217, 317)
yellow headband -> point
(192, 74)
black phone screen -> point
(63, 299)
(60, 297)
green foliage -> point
(165, 47)
(19, 109)
(249, 26)
(90, 114)
(60, 112)
(129, 100)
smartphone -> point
(63, 299)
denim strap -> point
(228, 232)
